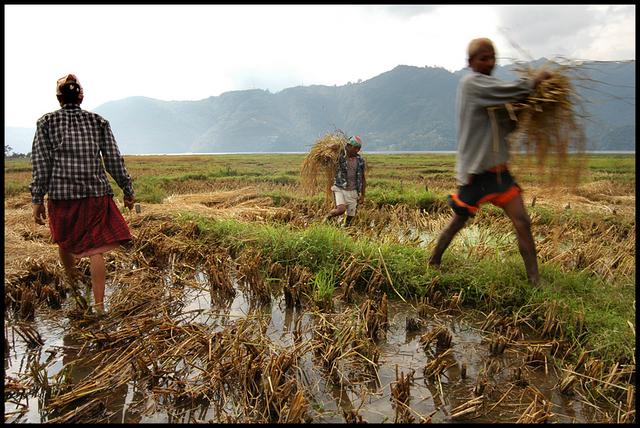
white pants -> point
(346, 197)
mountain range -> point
(406, 108)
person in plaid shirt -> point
(72, 151)
(349, 183)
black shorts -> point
(496, 187)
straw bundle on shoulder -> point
(319, 166)
(549, 125)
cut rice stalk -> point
(319, 166)
(549, 128)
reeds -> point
(538, 411)
(440, 335)
(470, 407)
(401, 396)
(29, 334)
(498, 345)
(36, 281)
(437, 366)
(218, 273)
(296, 285)
(375, 314)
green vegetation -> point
(587, 254)
(324, 287)
(496, 282)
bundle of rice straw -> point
(549, 126)
(319, 166)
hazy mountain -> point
(407, 108)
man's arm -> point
(489, 91)
(42, 162)
(39, 213)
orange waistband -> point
(498, 168)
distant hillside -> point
(407, 108)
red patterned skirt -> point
(83, 227)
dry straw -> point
(151, 339)
(319, 166)
(549, 125)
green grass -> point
(17, 165)
(488, 283)
(148, 189)
(392, 179)
(324, 286)
(411, 197)
(493, 280)
(14, 189)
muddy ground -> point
(404, 361)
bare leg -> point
(348, 220)
(69, 265)
(339, 210)
(73, 276)
(98, 278)
(522, 223)
(455, 225)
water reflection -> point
(79, 366)
(360, 390)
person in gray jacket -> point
(482, 173)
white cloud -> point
(191, 52)
(595, 32)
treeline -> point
(10, 154)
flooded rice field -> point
(172, 350)
(198, 332)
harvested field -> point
(235, 304)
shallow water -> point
(400, 352)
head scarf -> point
(355, 141)
(71, 81)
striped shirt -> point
(71, 153)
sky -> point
(192, 52)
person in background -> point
(349, 183)
(72, 151)
(482, 173)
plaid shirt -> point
(71, 150)
(340, 178)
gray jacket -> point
(477, 151)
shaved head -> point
(476, 45)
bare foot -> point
(100, 312)
(73, 275)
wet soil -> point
(366, 394)
(495, 387)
